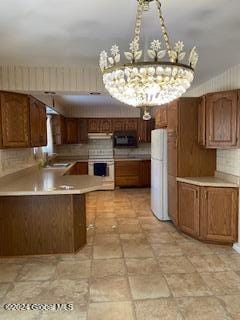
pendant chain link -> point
(138, 22)
(163, 26)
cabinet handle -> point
(196, 194)
(206, 195)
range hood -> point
(100, 136)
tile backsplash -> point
(15, 159)
(228, 161)
(82, 149)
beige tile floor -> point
(133, 268)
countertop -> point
(208, 182)
(47, 181)
(116, 158)
(132, 158)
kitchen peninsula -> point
(42, 211)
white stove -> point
(103, 156)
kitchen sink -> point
(59, 165)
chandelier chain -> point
(163, 26)
(138, 25)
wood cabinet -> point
(80, 168)
(173, 199)
(131, 124)
(40, 225)
(144, 130)
(189, 209)
(118, 124)
(146, 173)
(127, 173)
(94, 125)
(106, 125)
(161, 118)
(208, 213)
(82, 130)
(15, 120)
(186, 158)
(219, 120)
(133, 173)
(71, 130)
(38, 123)
(59, 129)
(219, 214)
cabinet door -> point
(82, 168)
(202, 121)
(161, 118)
(71, 130)
(188, 208)
(172, 156)
(222, 120)
(173, 199)
(219, 210)
(146, 173)
(106, 125)
(59, 129)
(42, 124)
(142, 130)
(94, 125)
(1, 138)
(15, 120)
(131, 124)
(82, 130)
(128, 173)
(172, 115)
(119, 125)
(38, 123)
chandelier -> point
(148, 83)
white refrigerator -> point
(159, 174)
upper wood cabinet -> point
(71, 130)
(94, 125)
(144, 130)
(218, 125)
(131, 124)
(119, 124)
(106, 125)
(161, 118)
(59, 129)
(15, 120)
(38, 123)
(82, 130)
(185, 157)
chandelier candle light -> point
(145, 84)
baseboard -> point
(236, 247)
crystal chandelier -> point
(148, 83)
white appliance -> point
(104, 155)
(159, 174)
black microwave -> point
(127, 139)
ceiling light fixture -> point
(148, 83)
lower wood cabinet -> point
(133, 173)
(80, 168)
(173, 199)
(208, 213)
(188, 207)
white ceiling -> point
(72, 32)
